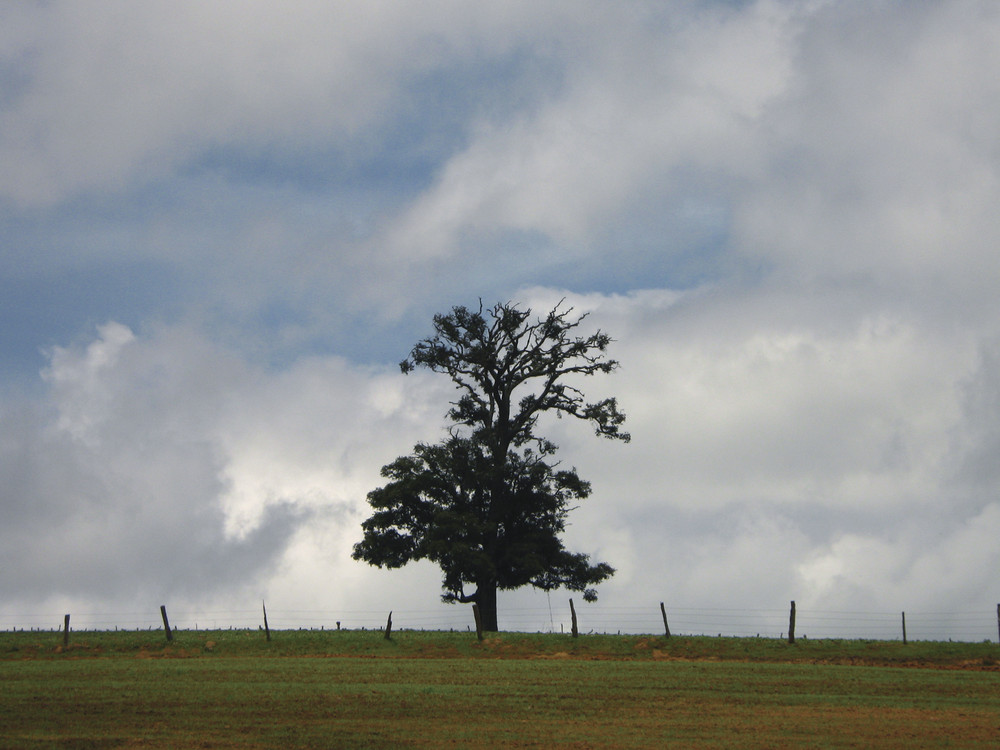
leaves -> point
(485, 504)
(494, 356)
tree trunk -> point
(486, 598)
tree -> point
(486, 504)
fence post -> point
(791, 624)
(388, 627)
(904, 628)
(267, 630)
(66, 632)
(998, 622)
(166, 624)
(479, 620)
(663, 611)
(572, 613)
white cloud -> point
(649, 111)
(924, 565)
(813, 422)
(762, 398)
(160, 465)
(124, 92)
(881, 158)
(76, 378)
(773, 457)
(781, 452)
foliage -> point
(487, 504)
(490, 357)
(436, 507)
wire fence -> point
(762, 623)
(774, 623)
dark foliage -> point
(486, 504)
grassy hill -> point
(355, 689)
(437, 644)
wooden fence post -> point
(166, 623)
(267, 630)
(572, 613)
(998, 622)
(479, 620)
(388, 628)
(66, 632)
(791, 624)
(663, 611)
(904, 628)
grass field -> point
(332, 689)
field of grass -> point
(331, 689)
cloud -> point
(118, 94)
(911, 567)
(159, 464)
(783, 452)
(114, 480)
(977, 444)
(880, 159)
(783, 212)
(657, 108)
(774, 457)
(774, 389)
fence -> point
(592, 618)
(768, 623)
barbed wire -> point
(715, 621)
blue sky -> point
(222, 227)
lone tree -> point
(486, 504)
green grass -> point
(224, 689)
(416, 643)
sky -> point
(222, 226)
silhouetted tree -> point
(486, 505)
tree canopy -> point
(486, 504)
